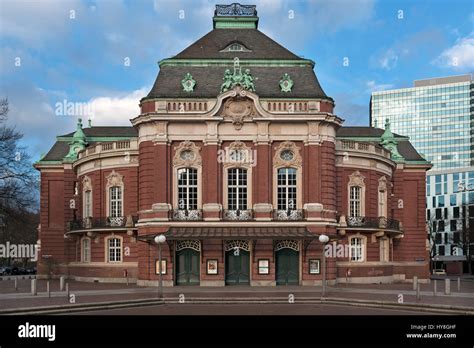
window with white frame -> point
(355, 201)
(356, 249)
(87, 204)
(86, 250)
(114, 250)
(115, 201)
(286, 189)
(187, 189)
(237, 189)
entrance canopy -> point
(182, 233)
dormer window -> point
(236, 47)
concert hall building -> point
(237, 157)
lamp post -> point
(160, 240)
(324, 239)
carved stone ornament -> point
(188, 83)
(187, 154)
(287, 155)
(238, 110)
(86, 183)
(238, 155)
(356, 179)
(114, 179)
(286, 83)
(382, 184)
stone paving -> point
(85, 292)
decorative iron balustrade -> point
(235, 10)
(241, 215)
(288, 215)
(186, 215)
(108, 222)
(373, 222)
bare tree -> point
(18, 179)
(18, 186)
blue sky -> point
(53, 50)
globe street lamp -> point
(324, 239)
(160, 240)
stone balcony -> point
(363, 147)
(108, 147)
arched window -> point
(187, 189)
(237, 189)
(86, 250)
(286, 189)
(114, 249)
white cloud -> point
(388, 60)
(373, 87)
(117, 111)
(459, 56)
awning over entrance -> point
(182, 233)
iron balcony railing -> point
(186, 215)
(373, 222)
(107, 222)
(288, 215)
(238, 215)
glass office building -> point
(438, 116)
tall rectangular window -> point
(356, 249)
(115, 201)
(437, 184)
(286, 189)
(187, 189)
(86, 250)
(355, 201)
(237, 189)
(87, 204)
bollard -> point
(16, 284)
(33, 287)
(447, 286)
(435, 288)
(415, 282)
(418, 292)
(459, 284)
(48, 289)
(61, 283)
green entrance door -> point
(187, 267)
(237, 267)
(287, 267)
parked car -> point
(5, 270)
(31, 270)
(15, 271)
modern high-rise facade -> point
(438, 116)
